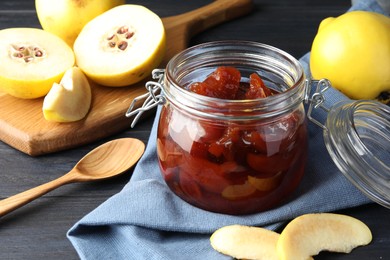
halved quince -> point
(31, 60)
(121, 46)
(70, 100)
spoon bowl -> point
(105, 161)
(109, 159)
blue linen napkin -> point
(147, 221)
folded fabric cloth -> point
(147, 221)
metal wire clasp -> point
(153, 97)
(316, 100)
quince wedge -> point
(66, 18)
(309, 234)
(70, 100)
(121, 46)
(31, 60)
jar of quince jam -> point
(232, 134)
(226, 155)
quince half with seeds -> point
(121, 46)
(31, 60)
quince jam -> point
(231, 166)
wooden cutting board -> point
(23, 126)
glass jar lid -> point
(357, 136)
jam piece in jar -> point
(222, 83)
(232, 167)
(257, 88)
(225, 83)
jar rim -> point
(254, 53)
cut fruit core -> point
(119, 38)
(26, 52)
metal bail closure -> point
(152, 98)
(316, 100)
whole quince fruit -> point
(66, 18)
(353, 52)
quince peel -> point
(352, 51)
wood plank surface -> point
(23, 126)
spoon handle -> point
(11, 203)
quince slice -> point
(121, 46)
(238, 191)
(70, 100)
(309, 234)
(245, 242)
(31, 60)
(266, 183)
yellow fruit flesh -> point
(353, 51)
(245, 242)
(309, 234)
(31, 76)
(70, 100)
(66, 18)
(113, 66)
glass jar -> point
(246, 156)
(233, 156)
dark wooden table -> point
(38, 230)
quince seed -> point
(122, 45)
(129, 35)
(122, 30)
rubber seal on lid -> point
(358, 140)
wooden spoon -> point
(105, 161)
